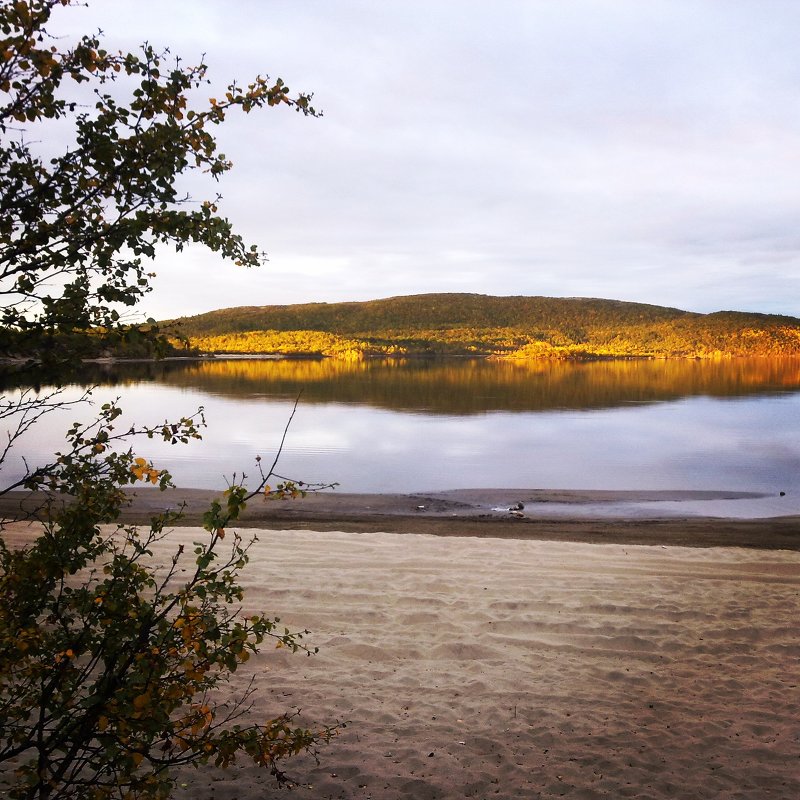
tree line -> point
(508, 327)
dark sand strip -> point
(469, 513)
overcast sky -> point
(644, 150)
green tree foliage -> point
(77, 228)
(108, 659)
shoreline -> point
(590, 516)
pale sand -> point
(506, 668)
(470, 667)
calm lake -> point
(407, 426)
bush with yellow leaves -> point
(109, 661)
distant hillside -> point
(472, 324)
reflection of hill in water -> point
(454, 386)
(464, 386)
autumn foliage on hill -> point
(509, 327)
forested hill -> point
(522, 327)
(425, 311)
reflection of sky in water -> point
(750, 444)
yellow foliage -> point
(284, 343)
(462, 324)
(143, 471)
(141, 701)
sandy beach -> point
(472, 667)
(511, 665)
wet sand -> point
(579, 516)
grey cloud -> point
(646, 151)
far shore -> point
(598, 517)
(25, 361)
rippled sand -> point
(471, 667)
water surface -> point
(395, 426)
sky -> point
(642, 150)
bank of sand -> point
(516, 668)
(477, 667)
(683, 518)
